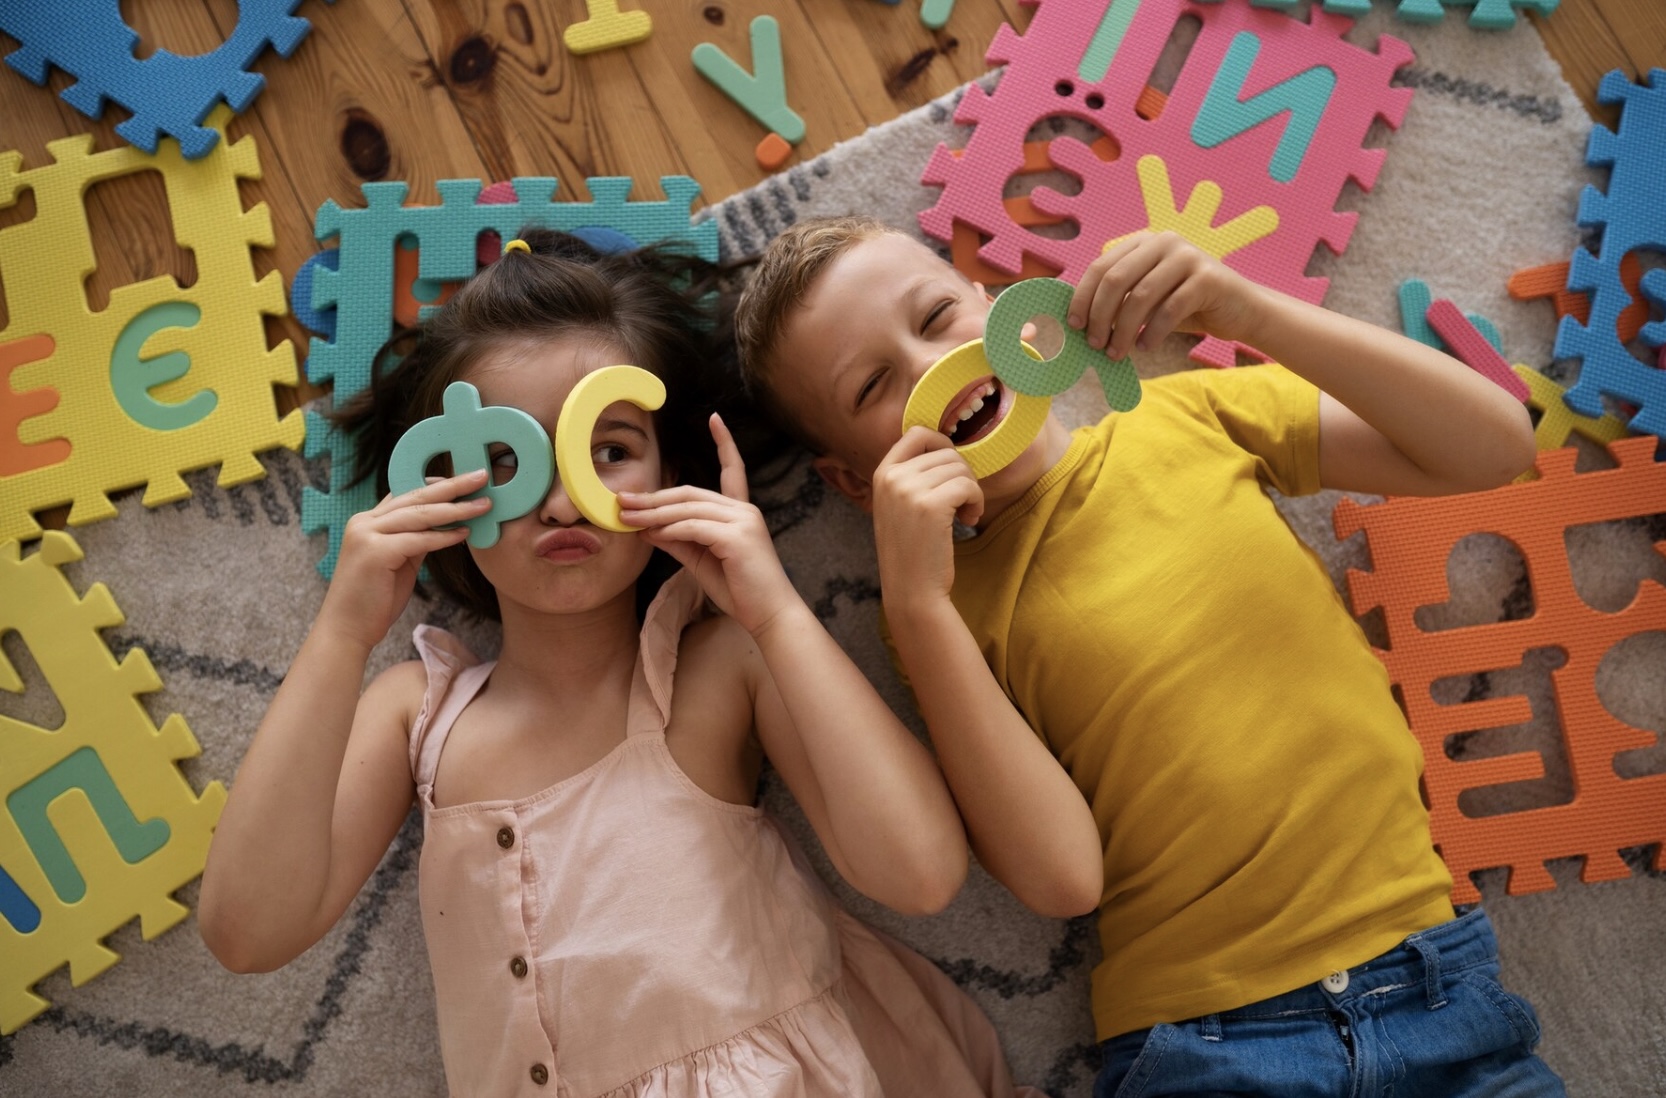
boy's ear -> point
(845, 481)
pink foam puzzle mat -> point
(1272, 111)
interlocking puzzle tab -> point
(358, 292)
(164, 379)
(1631, 216)
(1488, 14)
(1411, 540)
(97, 824)
(1273, 110)
(166, 93)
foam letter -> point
(762, 92)
(465, 430)
(1223, 116)
(584, 406)
(946, 379)
(132, 378)
(85, 771)
(15, 407)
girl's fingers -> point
(700, 531)
(443, 490)
(669, 512)
(732, 479)
(422, 516)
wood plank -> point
(1590, 37)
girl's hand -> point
(720, 538)
(1150, 284)
(382, 549)
(919, 490)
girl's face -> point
(552, 559)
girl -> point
(606, 912)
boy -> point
(1273, 916)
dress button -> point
(1336, 983)
(506, 837)
(518, 967)
(540, 1074)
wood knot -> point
(472, 61)
(909, 71)
(365, 146)
(713, 14)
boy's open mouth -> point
(976, 410)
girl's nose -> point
(558, 509)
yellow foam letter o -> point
(944, 381)
(585, 404)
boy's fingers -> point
(1143, 304)
(732, 477)
(914, 442)
(1087, 287)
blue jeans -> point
(1427, 1018)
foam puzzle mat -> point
(164, 379)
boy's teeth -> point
(966, 412)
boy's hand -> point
(921, 488)
(1150, 284)
(382, 548)
(721, 538)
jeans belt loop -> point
(1209, 1027)
(1431, 971)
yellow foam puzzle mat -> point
(584, 406)
(947, 378)
(97, 824)
(162, 381)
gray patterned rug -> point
(219, 590)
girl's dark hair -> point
(660, 306)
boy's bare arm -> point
(1028, 823)
(1396, 416)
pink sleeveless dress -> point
(624, 933)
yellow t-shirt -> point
(1189, 661)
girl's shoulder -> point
(401, 688)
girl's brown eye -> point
(610, 453)
(504, 464)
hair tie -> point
(517, 245)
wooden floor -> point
(422, 90)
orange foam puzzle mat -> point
(1411, 540)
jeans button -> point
(1336, 983)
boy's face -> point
(874, 320)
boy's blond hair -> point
(785, 272)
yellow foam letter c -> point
(945, 380)
(585, 404)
